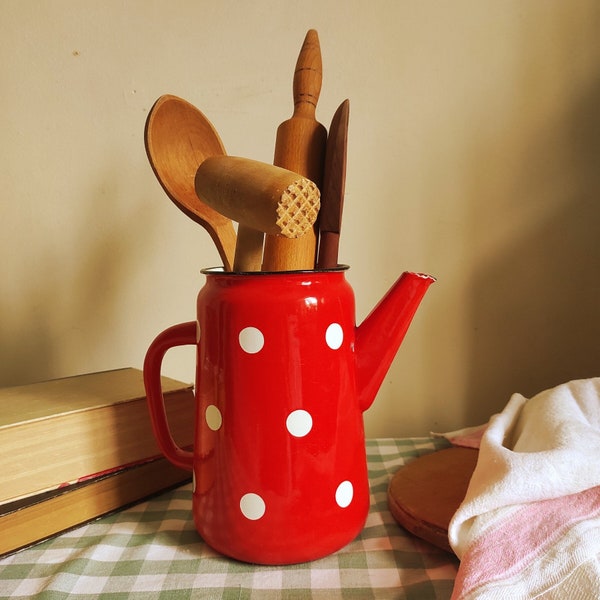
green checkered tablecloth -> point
(151, 551)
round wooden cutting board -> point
(424, 495)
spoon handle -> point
(224, 237)
(300, 147)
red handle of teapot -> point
(183, 334)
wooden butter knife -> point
(334, 184)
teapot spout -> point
(379, 336)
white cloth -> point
(529, 526)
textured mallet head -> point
(298, 208)
(259, 195)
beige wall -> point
(474, 155)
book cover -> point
(65, 429)
(30, 520)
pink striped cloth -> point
(529, 526)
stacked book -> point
(77, 448)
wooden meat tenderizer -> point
(262, 198)
(300, 147)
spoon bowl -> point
(178, 138)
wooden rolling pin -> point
(260, 197)
(300, 147)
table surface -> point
(152, 551)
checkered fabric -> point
(152, 551)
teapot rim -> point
(221, 271)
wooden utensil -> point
(263, 197)
(334, 183)
(300, 147)
(178, 138)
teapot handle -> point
(178, 335)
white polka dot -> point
(252, 506)
(213, 417)
(299, 423)
(334, 336)
(344, 494)
(251, 340)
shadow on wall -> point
(536, 304)
(66, 308)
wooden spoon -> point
(178, 138)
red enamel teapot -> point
(283, 376)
